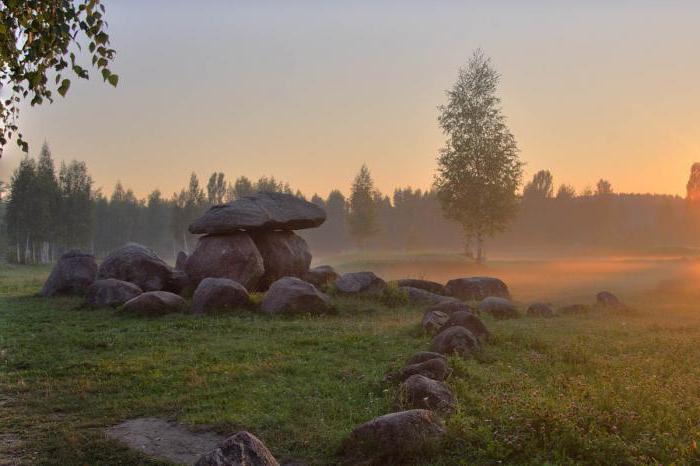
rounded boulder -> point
(73, 274)
(219, 294)
(284, 254)
(111, 292)
(155, 304)
(291, 295)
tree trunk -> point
(479, 249)
(468, 252)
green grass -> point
(602, 388)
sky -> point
(308, 91)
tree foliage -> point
(479, 171)
(541, 186)
(362, 212)
(40, 41)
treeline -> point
(47, 210)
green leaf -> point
(63, 88)
(113, 79)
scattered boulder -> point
(321, 275)
(435, 368)
(111, 292)
(393, 438)
(360, 283)
(73, 274)
(427, 285)
(290, 295)
(477, 288)
(433, 321)
(219, 294)
(420, 296)
(284, 254)
(421, 392)
(449, 307)
(181, 260)
(155, 304)
(499, 308)
(423, 356)
(241, 449)
(469, 321)
(141, 266)
(260, 211)
(231, 256)
(573, 309)
(607, 299)
(455, 340)
(540, 310)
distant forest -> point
(46, 210)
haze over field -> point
(308, 91)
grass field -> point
(602, 388)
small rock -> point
(111, 292)
(540, 310)
(155, 303)
(73, 274)
(393, 438)
(455, 340)
(469, 321)
(433, 321)
(499, 308)
(360, 283)
(427, 285)
(219, 294)
(420, 392)
(436, 369)
(141, 266)
(241, 449)
(423, 356)
(321, 275)
(607, 299)
(477, 288)
(291, 295)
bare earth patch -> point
(164, 439)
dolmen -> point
(252, 241)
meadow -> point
(603, 387)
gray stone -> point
(73, 274)
(455, 340)
(427, 285)
(111, 292)
(291, 295)
(421, 392)
(607, 299)
(360, 283)
(284, 254)
(219, 294)
(420, 296)
(434, 368)
(499, 308)
(433, 321)
(241, 449)
(477, 288)
(540, 310)
(321, 275)
(232, 256)
(469, 321)
(261, 211)
(423, 356)
(155, 304)
(394, 438)
(450, 307)
(141, 266)
(181, 260)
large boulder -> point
(435, 368)
(423, 297)
(423, 356)
(426, 285)
(607, 299)
(261, 211)
(421, 392)
(73, 274)
(433, 321)
(360, 283)
(284, 254)
(540, 310)
(111, 292)
(321, 275)
(291, 295)
(455, 340)
(181, 260)
(141, 266)
(155, 304)
(394, 438)
(233, 256)
(219, 294)
(241, 449)
(499, 308)
(477, 288)
(469, 321)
